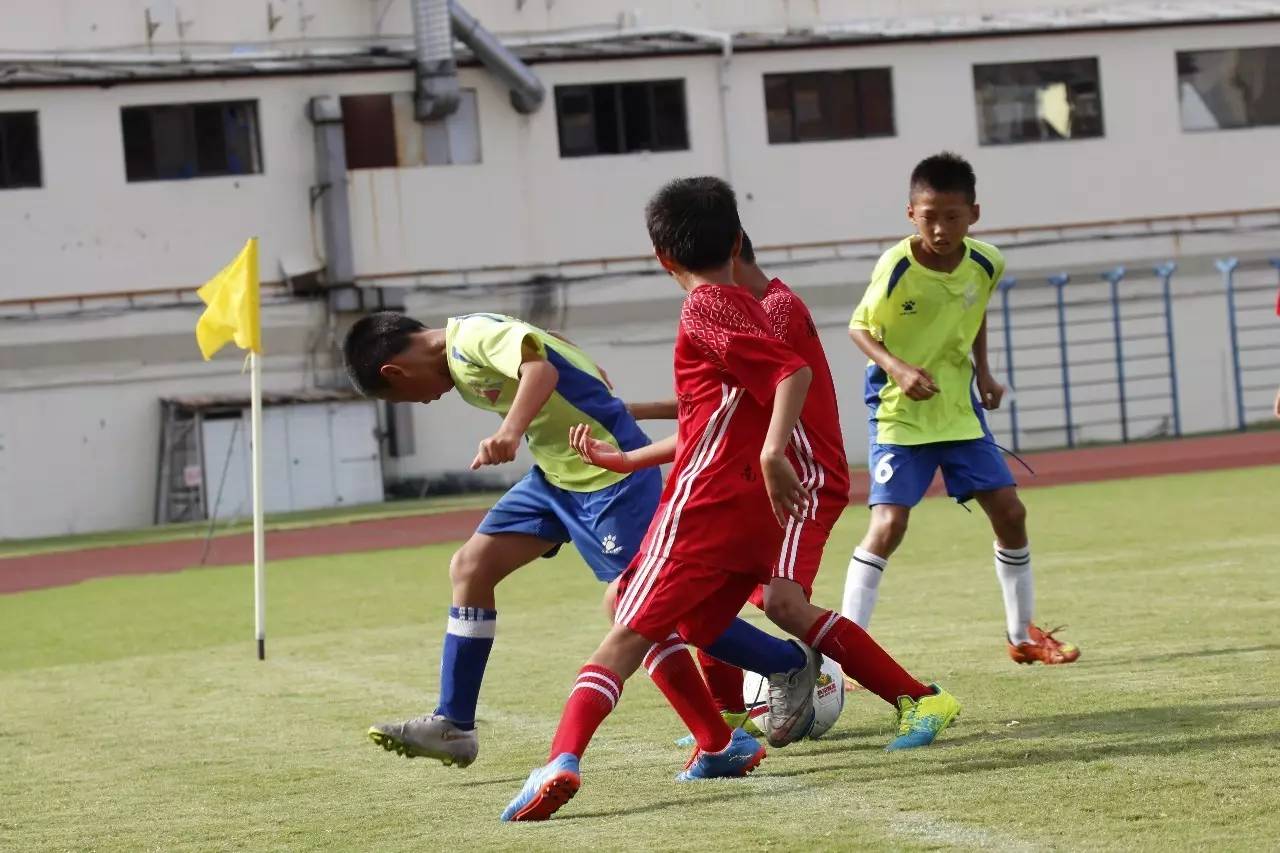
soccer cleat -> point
(739, 758)
(921, 720)
(1044, 647)
(428, 736)
(790, 714)
(734, 720)
(548, 789)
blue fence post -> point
(1059, 283)
(1006, 284)
(1165, 272)
(1113, 278)
(1227, 266)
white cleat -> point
(428, 736)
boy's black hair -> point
(748, 252)
(695, 222)
(945, 173)
(372, 342)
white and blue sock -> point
(862, 586)
(747, 647)
(1013, 568)
(467, 642)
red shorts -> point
(657, 598)
(801, 554)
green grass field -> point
(133, 715)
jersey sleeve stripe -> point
(983, 261)
(898, 272)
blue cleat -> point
(921, 721)
(740, 757)
(548, 789)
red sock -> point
(724, 681)
(672, 669)
(862, 659)
(593, 696)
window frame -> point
(1178, 59)
(6, 157)
(826, 80)
(980, 114)
(619, 131)
(187, 111)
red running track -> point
(1067, 466)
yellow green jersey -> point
(928, 319)
(485, 352)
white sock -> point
(1013, 568)
(862, 586)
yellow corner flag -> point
(232, 297)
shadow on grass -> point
(1143, 731)
(737, 790)
(1199, 653)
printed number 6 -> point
(884, 471)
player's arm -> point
(990, 391)
(788, 497)
(866, 328)
(914, 381)
(602, 454)
(537, 382)
(664, 410)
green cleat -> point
(920, 721)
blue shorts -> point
(606, 526)
(901, 474)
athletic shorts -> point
(801, 554)
(606, 526)
(658, 598)
(901, 474)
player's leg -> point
(653, 598)
(923, 710)
(607, 527)
(900, 476)
(516, 531)
(977, 469)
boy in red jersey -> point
(710, 544)
(817, 452)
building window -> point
(176, 141)
(819, 105)
(1038, 101)
(1220, 89)
(620, 118)
(380, 132)
(19, 151)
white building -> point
(142, 142)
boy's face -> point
(942, 219)
(414, 377)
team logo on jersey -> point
(609, 545)
(908, 307)
(971, 294)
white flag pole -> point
(259, 551)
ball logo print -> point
(828, 698)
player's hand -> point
(788, 497)
(1278, 402)
(599, 453)
(496, 449)
(990, 392)
(915, 382)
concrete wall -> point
(88, 230)
(120, 24)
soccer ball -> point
(828, 697)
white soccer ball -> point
(828, 698)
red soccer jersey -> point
(714, 508)
(819, 444)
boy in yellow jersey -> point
(919, 321)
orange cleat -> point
(1044, 648)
